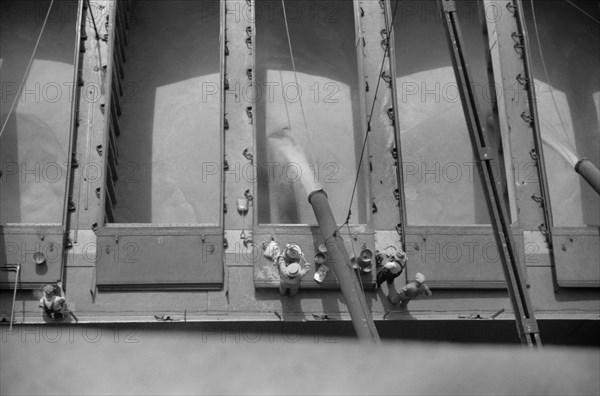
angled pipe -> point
(589, 172)
(340, 262)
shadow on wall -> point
(441, 180)
(568, 102)
(170, 143)
(34, 144)
(322, 36)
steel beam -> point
(238, 93)
(507, 248)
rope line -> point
(93, 20)
(37, 43)
(537, 36)
(583, 11)
(287, 31)
(362, 152)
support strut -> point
(526, 323)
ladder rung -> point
(118, 62)
(114, 102)
(113, 142)
(119, 42)
(127, 13)
(110, 187)
(110, 218)
(116, 80)
(112, 164)
(121, 23)
(115, 124)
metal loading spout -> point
(340, 262)
(589, 172)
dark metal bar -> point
(507, 249)
(389, 22)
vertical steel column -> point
(509, 49)
(385, 170)
(90, 146)
(525, 320)
(94, 116)
(239, 93)
(390, 20)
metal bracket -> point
(449, 6)
(399, 229)
(534, 155)
(524, 81)
(246, 153)
(390, 114)
(249, 113)
(538, 199)
(485, 154)
(386, 77)
(543, 230)
(373, 207)
(511, 7)
(527, 118)
(248, 196)
(74, 162)
(385, 39)
(530, 326)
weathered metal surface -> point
(456, 257)
(174, 258)
(509, 254)
(383, 153)
(239, 107)
(19, 244)
(155, 257)
(577, 250)
(521, 139)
